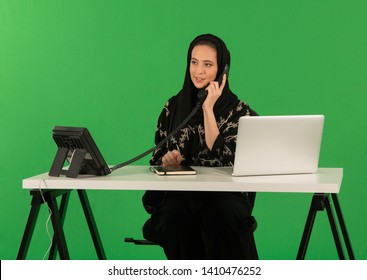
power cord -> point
(48, 219)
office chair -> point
(149, 233)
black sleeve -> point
(223, 150)
(160, 134)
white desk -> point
(323, 183)
(326, 180)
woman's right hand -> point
(172, 158)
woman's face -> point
(203, 65)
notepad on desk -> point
(173, 170)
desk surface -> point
(326, 180)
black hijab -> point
(187, 97)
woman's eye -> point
(208, 64)
(193, 62)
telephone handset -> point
(203, 93)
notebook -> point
(272, 145)
(173, 170)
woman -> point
(201, 225)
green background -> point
(111, 65)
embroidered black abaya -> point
(203, 225)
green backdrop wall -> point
(111, 65)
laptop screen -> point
(270, 145)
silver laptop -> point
(271, 145)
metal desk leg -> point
(317, 204)
(334, 229)
(343, 226)
(92, 224)
(37, 201)
(28, 232)
(57, 226)
(62, 211)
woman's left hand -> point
(214, 92)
